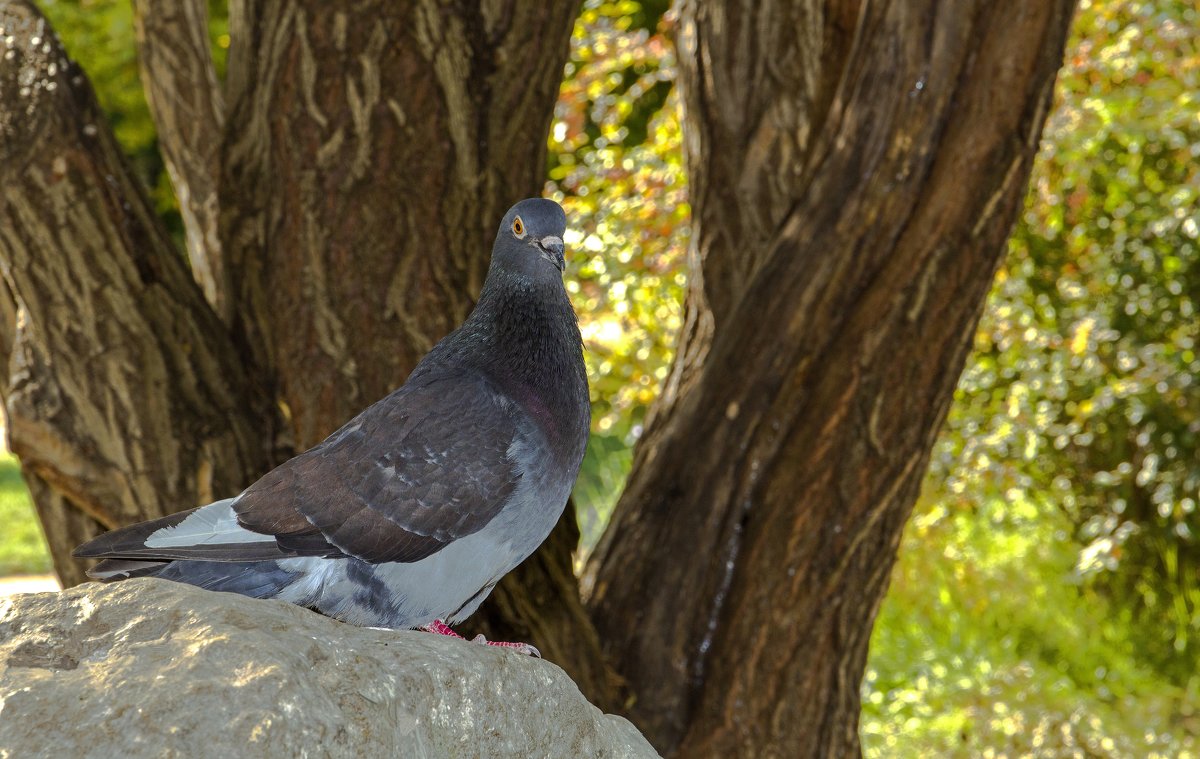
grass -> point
(988, 644)
(22, 546)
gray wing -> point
(425, 466)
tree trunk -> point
(126, 399)
(856, 169)
(369, 158)
(73, 526)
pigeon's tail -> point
(209, 532)
(110, 570)
(257, 579)
(205, 547)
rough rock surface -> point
(151, 668)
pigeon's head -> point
(530, 239)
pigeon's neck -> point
(529, 334)
(523, 336)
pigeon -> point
(409, 515)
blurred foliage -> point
(1045, 601)
(986, 647)
(1083, 393)
(616, 166)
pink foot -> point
(438, 627)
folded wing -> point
(425, 466)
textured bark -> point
(73, 526)
(125, 397)
(65, 527)
(372, 149)
(852, 202)
(185, 100)
(743, 190)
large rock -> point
(152, 668)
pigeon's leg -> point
(438, 627)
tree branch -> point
(189, 113)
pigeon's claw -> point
(438, 627)
(521, 648)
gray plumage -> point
(414, 509)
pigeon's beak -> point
(552, 251)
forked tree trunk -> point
(339, 216)
(856, 169)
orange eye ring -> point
(518, 227)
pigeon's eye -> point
(518, 227)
